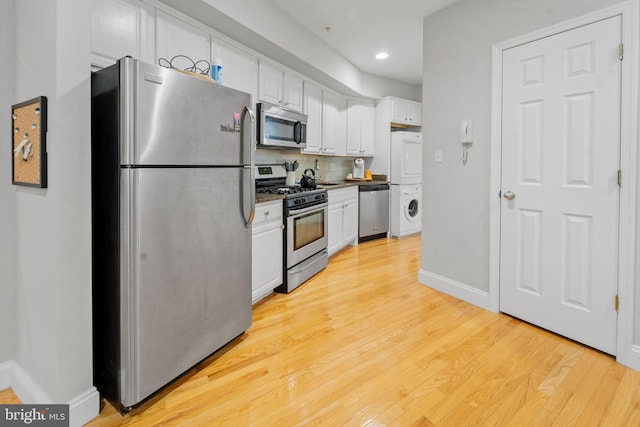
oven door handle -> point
(297, 213)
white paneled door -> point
(560, 193)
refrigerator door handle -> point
(247, 137)
(248, 194)
(248, 172)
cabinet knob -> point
(266, 213)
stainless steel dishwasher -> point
(374, 211)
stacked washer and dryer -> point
(406, 183)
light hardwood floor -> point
(364, 344)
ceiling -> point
(359, 29)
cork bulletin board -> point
(28, 142)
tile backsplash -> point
(330, 169)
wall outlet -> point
(437, 156)
(332, 166)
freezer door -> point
(171, 118)
(186, 275)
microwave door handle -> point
(247, 180)
(297, 132)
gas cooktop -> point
(285, 190)
(271, 179)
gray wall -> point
(456, 86)
(263, 26)
(7, 218)
(52, 243)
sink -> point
(327, 184)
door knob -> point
(509, 195)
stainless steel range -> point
(305, 222)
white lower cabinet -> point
(343, 218)
(266, 252)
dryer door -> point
(406, 158)
(412, 162)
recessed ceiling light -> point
(382, 55)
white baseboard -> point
(5, 374)
(82, 408)
(629, 356)
(456, 289)
(27, 390)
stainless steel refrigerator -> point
(172, 202)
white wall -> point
(7, 236)
(379, 87)
(52, 226)
(456, 86)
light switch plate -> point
(437, 156)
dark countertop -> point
(344, 184)
(262, 198)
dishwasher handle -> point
(365, 188)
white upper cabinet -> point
(280, 87)
(239, 68)
(271, 83)
(120, 28)
(368, 132)
(313, 110)
(406, 112)
(414, 113)
(176, 38)
(293, 91)
(334, 124)
(360, 127)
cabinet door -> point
(270, 89)
(354, 127)
(361, 116)
(120, 28)
(175, 37)
(341, 122)
(368, 132)
(398, 111)
(239, 68)
(330, 124)
(267, 246)
(292, 92)
(313, 109)
(334, 228)
(414, 113)
(266, 251)
(350, 222)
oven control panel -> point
(306, 200)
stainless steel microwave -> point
(280, 128)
